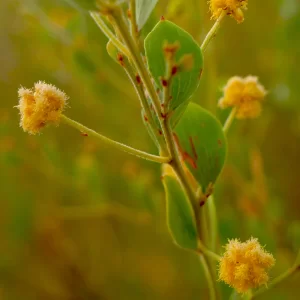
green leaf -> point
(184, 83)
(202, 144)
(180, 215)
(143, 11)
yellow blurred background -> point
(79, 220)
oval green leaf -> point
(202, 145)
(180, 215)
(184, 83)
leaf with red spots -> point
(202, 144)
(184, 82)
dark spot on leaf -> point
(200, 73)
(174, 70)
(120, 59)
(193, 148)
(163, 115)
(164, 82)
(185, 155)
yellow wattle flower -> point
(234, 8)
(246, 94)
(244, 266)
(40, 106)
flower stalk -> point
(118, 145)
(213, 31)
(229, 120)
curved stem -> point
(213, 31)
(229, 120)
(213, 223)
(101, 24)
(207, 252)
(144, 104)
(120, 146)
(211, 286)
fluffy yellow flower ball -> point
(245, 94)
(234, 8)
(40, 106)
(244, 265)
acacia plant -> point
(165, 68)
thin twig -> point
(120, 146)
(213, 31)
(229, 120)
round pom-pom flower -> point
(234, 8)
(246, 94)
(40, 106)
(244, 265)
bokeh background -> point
(79, 220)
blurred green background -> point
(79, 220)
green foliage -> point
(185, 82)
(112, 50)
(180, 216)
(133, 248)
(143, 11)
(202, 144)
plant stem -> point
(144, 104)
(101, 24)
(207, 252)
(120, 146)
(213, 31)
(119, 23)
(139, 65)
(295, 268)
(178, 168)
(134, 29)
(213, 225)
(229, 120)
(212, 291)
